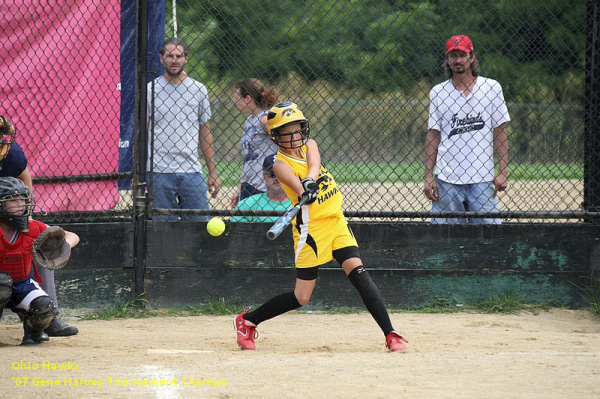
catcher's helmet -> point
(283, 114)
(7, 136)
(12, 188)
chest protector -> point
(16, 258)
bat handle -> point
(271, 235)
(282, 223)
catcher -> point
(23, 241)
(13, 162)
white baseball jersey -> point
(466, 150)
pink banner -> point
(59, 76)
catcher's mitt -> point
(50, 249)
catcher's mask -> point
(16, 212)
(283, 114)
(7, 136)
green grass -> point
(540, 171)
(340, 310)
(138, 308)
(589, 288)
(216, 307)
(132, 309)
(505, 303)
(394, 172)
(508, 302)
(442, 305)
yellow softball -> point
(215, 226)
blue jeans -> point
(179, 191)
(476, 197)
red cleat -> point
(393, 342)
(246, 332)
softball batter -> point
(321, 232)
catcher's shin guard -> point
(5, 290)
(40, 315)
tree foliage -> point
(388, 45)
(362, 69)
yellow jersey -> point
(329, 201)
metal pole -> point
(591, 180)
(174, 18)
(140, 200)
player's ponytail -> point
(271, 98)
(264, 97)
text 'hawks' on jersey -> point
(329, 201)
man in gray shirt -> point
(179, 115)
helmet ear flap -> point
(273, 133)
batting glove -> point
(311, 190)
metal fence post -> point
(140, 199)
(592, 109)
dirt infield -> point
(549, 195)
(553, 354)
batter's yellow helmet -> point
(283, 114)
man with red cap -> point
(467, 125)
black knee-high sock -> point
(371, 297)
(274, 307)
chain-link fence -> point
(361, 72)
(59, 76)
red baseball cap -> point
(461, 42)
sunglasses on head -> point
(270, 174)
